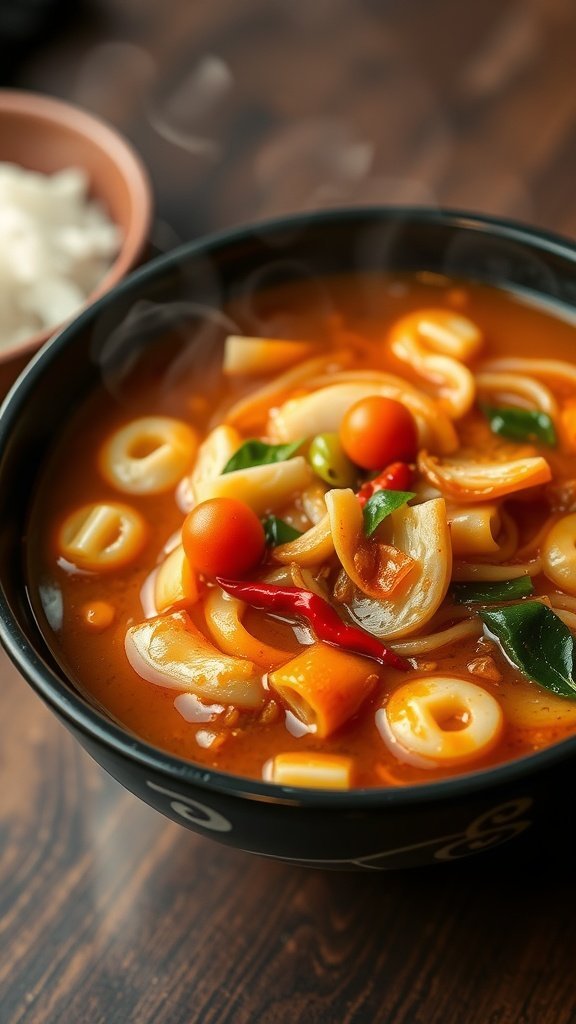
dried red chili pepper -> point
(396, 477)
(325, 621)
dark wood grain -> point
(110, 914)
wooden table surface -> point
(245, 108)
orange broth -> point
(364, 308)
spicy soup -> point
(343, 555)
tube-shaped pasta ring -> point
(436, 343)
(324, 687)
(102, 536)
(315, 771)
(474, 529)
(559, 554)
(148, 455)
(505, 546)
(507, 539)
(437, 721)
(441, 331)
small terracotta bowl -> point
(47, 135)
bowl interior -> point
(103, 348)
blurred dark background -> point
(249, 108)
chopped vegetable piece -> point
(378, 430)
(213, 454)
(258, 453)
(224, 616)
(171, 651)
(176, 585)
(223, 535)
(263, 488)
(324, 409)
(259, 357)
(492, 593)
(330, 463)
(312, 548)
(324, 687)
(521, 424)
(475, 480)
(277, 531)
(420, 533)
(377, 569)
(396, 477)
(537, 642)
(324, 620)
(380, 505)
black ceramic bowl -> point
(371, 829)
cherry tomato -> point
(376, 431)
(223, 537)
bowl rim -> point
(84, 717)
(125, 157)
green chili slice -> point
(521, 424)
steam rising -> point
(293, 105)
(300, 106)
(196, 332)
(183, 115)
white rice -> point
(55, 247)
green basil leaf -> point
(381, 505)
(277, 531)
(492, 593)
(258, 453)
(521, 424)
(537, 642)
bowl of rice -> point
(75, 212)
